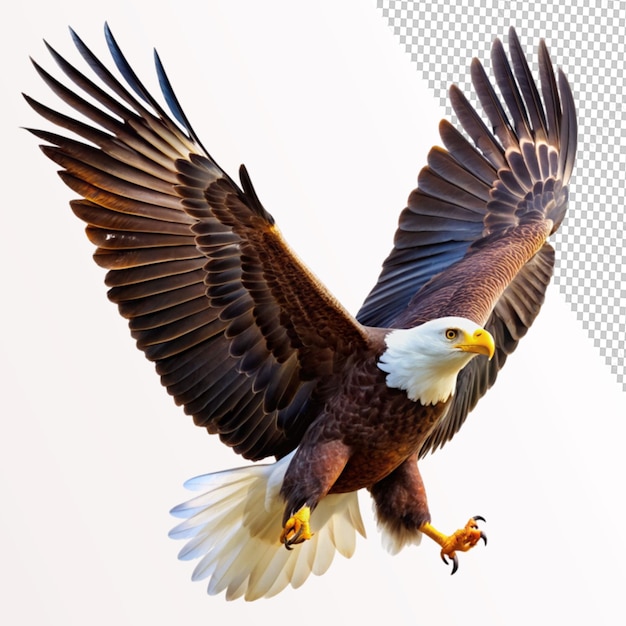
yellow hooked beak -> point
(481, 342)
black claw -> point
(289, 543)
(455, 564)
(483, 537)
(479, 518)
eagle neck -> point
(411, 366)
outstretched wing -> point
(472, 240)
(240, 331)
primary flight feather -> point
(256, 349)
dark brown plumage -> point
(258, 351)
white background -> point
(334, 124)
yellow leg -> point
(297, 528)
(461, 540)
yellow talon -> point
(461, 540)
(297, 528)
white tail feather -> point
(234, 529)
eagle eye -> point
(452, 333)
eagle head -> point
(426, 360)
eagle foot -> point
(461, 540)
(297, 528)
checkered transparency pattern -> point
(585, 39)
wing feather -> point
(471, 241)
(240, 331)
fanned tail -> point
(234, 529)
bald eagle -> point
(257, 350)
